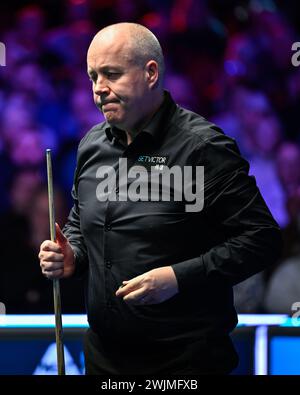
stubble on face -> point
(133, 104)
(110, 51)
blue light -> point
(262, 319)
(80, 320)
(42, 321)
(285, 353)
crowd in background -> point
(229, 61)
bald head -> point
(135, 42)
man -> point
(158, 276)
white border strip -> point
(261, 351)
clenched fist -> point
(57, 259)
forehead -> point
(109, 50)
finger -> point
(123, 284)
(55, 274)
(49, 245)
(60, 237)
(50, 266)
(51, 257)
(129, 287)
(135, 296)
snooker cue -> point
(56, 287)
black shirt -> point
(230, 239)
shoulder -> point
(96, 132)
(205, 136)
(90, 144)
(196, 127)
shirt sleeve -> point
(73, 233)
(245, 238)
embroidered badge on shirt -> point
(150, 161)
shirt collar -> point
(157, 124)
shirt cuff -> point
(189, 273)
(79, 261)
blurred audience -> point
(283, 287)
(22, 288)
(288, 167)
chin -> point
(113, 121)
(111, 117)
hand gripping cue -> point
(56, 288)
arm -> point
(243, 235)
(73, 233)
(246, 238)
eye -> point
(112, 74)
(93, 77)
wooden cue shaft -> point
(56, 287)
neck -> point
(134, 131)
(131, 136)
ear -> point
(152, 73)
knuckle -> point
(45, 244)
(148, 279)
(51, 256)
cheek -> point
(95, 97)
(129, 89)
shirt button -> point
(109, 304)
(108, 264)
(107, 227)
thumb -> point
(60, 237)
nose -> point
(101, 87)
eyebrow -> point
(104, 68)
(90, 71)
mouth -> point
(104, 103)
(107, 106)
